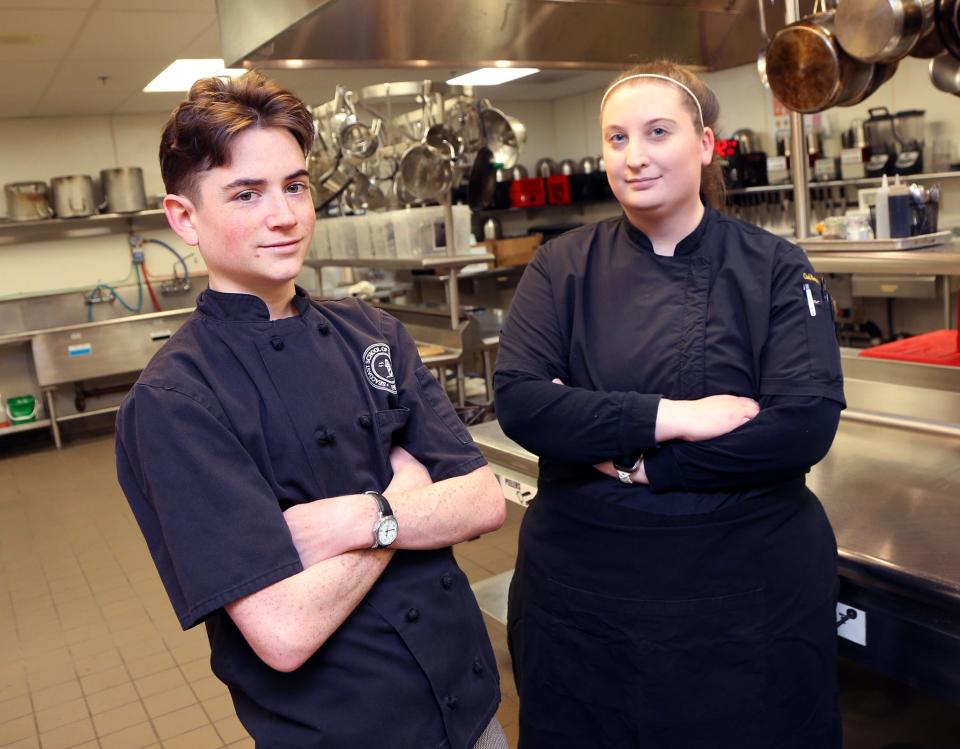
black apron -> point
(631, 629)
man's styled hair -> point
(199, 132)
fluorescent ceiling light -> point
(180, 75)
(491, 76)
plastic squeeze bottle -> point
(882, 210)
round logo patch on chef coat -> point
(378, 367)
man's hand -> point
(409, 474)
(703, 419)
(326, 528)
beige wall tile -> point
(199, 738)
(61, 714)
(167, 702)
(180, 721)
(230, 729)
(219, 707)
(134, 737)
(111, 677)
(17, 707)
(160, 682)
(43, 699)
(209, 688)
(111, 721)
(111, 698)
(17, 729)
(68, 736)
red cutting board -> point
(936, 347)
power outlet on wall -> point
(852, 623)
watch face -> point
(387, 531)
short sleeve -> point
(213, 526)
(801, 355)
(434, 434)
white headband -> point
(660, 77)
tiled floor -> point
(90, 652)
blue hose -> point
(116, 294)
(186, 271)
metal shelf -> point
(29, 426)
(863, 182)
(72, 228)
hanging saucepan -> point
(945, 73)
(947, 19)
(483, 181)
(882, 72)
(765, 38)
(809, 72)
(445, 141)
(503, 135)
(464, 121)
(929, 45)
(400, 192)
(882, 30)
(327, 178)
(426, 172)
(362, 195)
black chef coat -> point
(697, 611)
(239, 417)
(736, 310)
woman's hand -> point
(703, 419)
(639, 476)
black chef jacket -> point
(239, 417)
(736, 310)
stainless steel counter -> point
(943, 260)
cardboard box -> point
(515, 250)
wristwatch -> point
(385, 529)
(623, 468)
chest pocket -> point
(390, 425)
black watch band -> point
(382, 503)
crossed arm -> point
(285, 623)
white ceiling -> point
(93, 57)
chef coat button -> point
(323, 327)
(365, 421)
(477, 666)
(451, 701)
(413, 615)
(324, 437)
(447, 580)
(277, 343)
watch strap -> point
(382, 504)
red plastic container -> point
(558, 189)
(528, 193)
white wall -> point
(41, 148)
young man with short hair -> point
(268, 437)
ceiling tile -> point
(173, 6)
(78, 88)
(47, 4)
(25, 78)
(47, 34)
(119, 35)
(205, 45)
(18, 105)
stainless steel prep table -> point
(942, 261)
(893, 497)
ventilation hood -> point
(460, 34)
